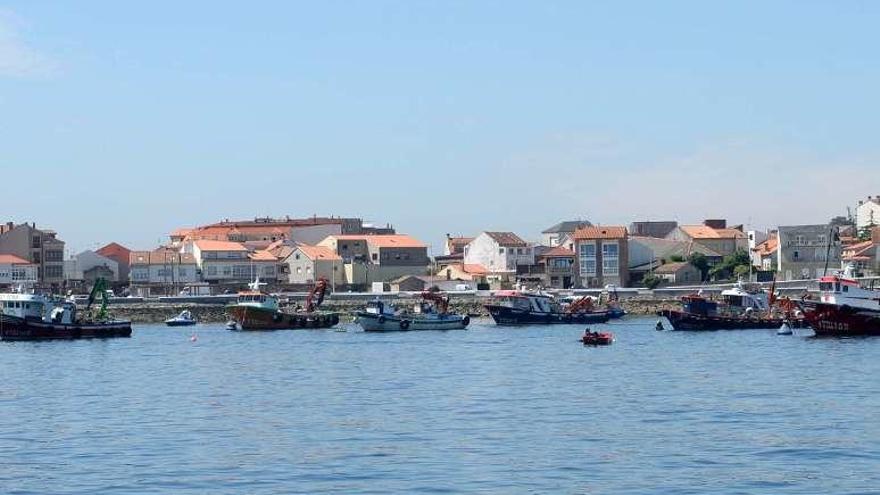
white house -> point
(868, 212)
(15, 270)
(499, 252)
(226, 261)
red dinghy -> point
(597, 338)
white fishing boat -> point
(429, 314)
(184, 319)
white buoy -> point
(785, 329)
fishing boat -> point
(739, 309)
(26, 316)
(184, 319)
(843, 308)
(512, 307)
(258, 310)
(431, 313)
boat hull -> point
(830, 320)
(180, 323)
(13, 328)
(681, 320)
(372, 322)
(250, 318)
(504, 315)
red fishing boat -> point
(843, 308)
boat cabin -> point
(525, 301)
(27, 306)
(842, 290)
(738, 298)
(257, 299)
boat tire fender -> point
(380, 319)
(466, 320)
(276, 317)
(404, 324)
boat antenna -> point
(828, 250)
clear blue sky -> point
(121, 121)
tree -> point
(729, 265)
(676, 258)
(651, 281)
(700, 263)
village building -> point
(679, 273)
(764, 254)
(500, 253)
(89, 266)
(301, 230)
(646, 254)
(231, 263)
(163, 271)
(121, 255)
(807, 251)
(463, 273)
(455, 245)
(39, 247)
(378, 258)
(602, 256)
(16, 271)
(558, 267)
(864, 256)
(868, 213)
(714, 235)
(306, 264)
(553, 236)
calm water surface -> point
(491, 410)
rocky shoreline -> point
(209, 313)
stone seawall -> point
(158, 313)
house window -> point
(519, 251)
(35, 242)
(610, 258)
(588, 259)
(501, 250)
(799, 240)
(375, 256)
(296, 256)
(796, 255)
(822, 239)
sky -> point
(120, 121)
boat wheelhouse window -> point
(837, 287)
(825, 286)
(845, 288)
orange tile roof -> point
(262, 256)
(704, 232)
(210, 245)
(767, 247)
(317, 253)
(11, 259)
(601, 232)
(474, 269)
(383, 240)
(558, 251)
(161, 257)
(507, 239)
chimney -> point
(715, 223)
